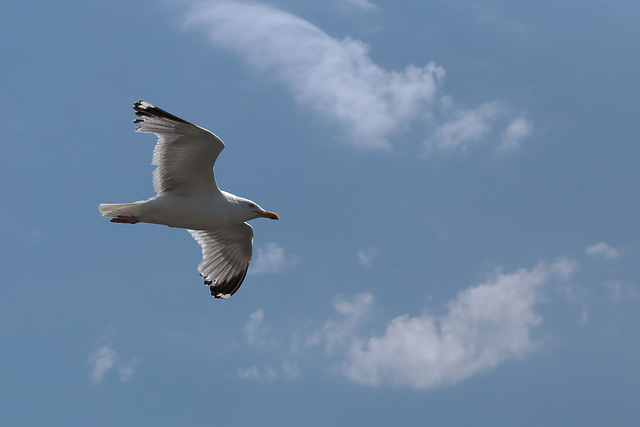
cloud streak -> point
(603, 250)
(361, 4)
(338, 79)
(288, 370)
(366, 256)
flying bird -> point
(188, 197)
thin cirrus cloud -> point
(272, 258)
(603, 250)
(288, 370)
(105, 359)
(258, 335)
(485, 325)
(366, 256)
(338, 79)
(254, 373)
(362, 4)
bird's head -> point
(257, 211)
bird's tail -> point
(111, 210)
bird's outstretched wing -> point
(185, 153)
(226, 254)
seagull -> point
(188, 197)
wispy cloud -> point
(287, 369)
(619, 291)
(259, 338)
(492, 15)
(338, 79)
(105, 359)
(254, 330)
(465, 128)
(603, 250)
(485, 325)
(461, 129)
(254, 373)
(361, 4)
(290, 369)
(519, 129)
(338, 333)
(272, 259)
(365, 256)
(101, 361)
(335, 77)
(126, 370)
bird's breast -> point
(191, 212)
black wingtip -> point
(215, 292)
(145, 109)
(227, 288)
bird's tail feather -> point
(111, 210)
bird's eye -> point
(252, 205)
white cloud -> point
(465, 128)
(482, 327)
(254, 330)
(271, 259)
(334, 77)
(101, 361)
(519, 129)
(603, 250)
(105, 358)
(338, 79)
(356, 309)
(485, 325)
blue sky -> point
(457, 187)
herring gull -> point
(188, 197)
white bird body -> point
(189, 198)
(196, 212)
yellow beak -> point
(270, 215)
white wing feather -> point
(185, 153)
(226, 254)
